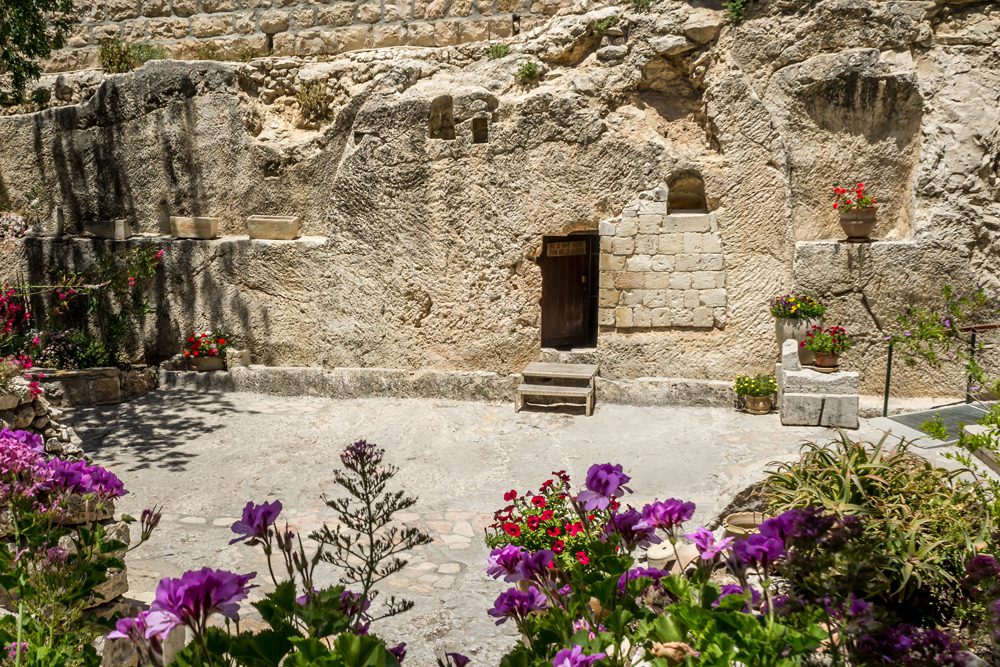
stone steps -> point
(553, 380)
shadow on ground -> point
(152, 432)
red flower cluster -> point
(847, 199)
(205, 344)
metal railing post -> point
(888, 377)
(972, 360)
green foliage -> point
(41, 97)
(921, 523)
(641, 5)
(604, 24)
(71, 350)
(992, 416)
(528, 73)
(118, 56)
(762, 384)
(497, 51)
(207, 51)
(829, 340)
(29, 31)
(735, 9)
(245, 54)
(314, 101)
(797, 307)
(935, 428)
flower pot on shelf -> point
(826, 360)
(758, 405)
(273, 227)
(204, 364)
(194, 227)
(741, 524)
(788, 328)
(858, 223)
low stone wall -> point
(192, 29)
(97, 386)
(38, 416)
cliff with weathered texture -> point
(422, 252)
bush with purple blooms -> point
(308, 624)
(55, 555)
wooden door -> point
(568, 291)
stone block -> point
(630, 280)
(623, 246)
(337, 15)
(274, 227)
(711, 243)
(661, 317)
(369, 12)
(118, 230)
(808, 381)
(612, 262)
(686, 262)
(211, 26)
(184, 8)
(650, 224)
(119, 10)
(689, 222)
(354, 37)
(703, 280)
(447, 33)
(168, 28)
(711, 262)
(642, 317)
(608, 298)
(819, 410)
(216, 6)
(657, 280)
(655, 299)
(692, 298)
(244, 23)
(194, 227)
(606, 317)
(702, 317)
(627, 228)
(647, 244)
(632, 298)
(692, 242)
(606, 228)
(607, 244)
(274, 21)
(303, 17)
(154, 8)
(662, 263)
(639, 262)
(623, 317)
(649, 206)
(680, 280)
(460, 8)
(713, 297)
(671, 243)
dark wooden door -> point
(568, 291)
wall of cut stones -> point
(421, 252)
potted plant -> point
(794, 314)
(827, 345)
(857, 211)
(756, 392)
(206, 350)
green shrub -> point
(735, 9)
(497, 51)
(207, 51)
(641, 5)
(528, 73)
(314, 101)
(762, 384)
(118, 56)
(245, 54)
(41, 97)
(992, 416)
(920, 523)
(935, 428)
(604, 24)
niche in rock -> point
(480, 130)
(686, 192)
(442, 120)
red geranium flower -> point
(547, 515)
(554, 531)
(583, 557)
(512, 529)
(558, 546)
(574, 529)
(510, 495)
(546, 484)
(222, 341)
(538, 501)
(533, 522)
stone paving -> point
(202, 456)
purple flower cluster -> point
(575, 657)
(256, 521)
(652, 573)
(667, 514)
(907, 646)
(735, 589)
(604, 482)
(27, 439)
(191, 599)
(80, 477)
(631, 529)
(516, 604)
(506, 562)
(14, 650)
(706, 544)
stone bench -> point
(811, 398)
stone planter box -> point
(787, 328)
(988, 458)
(119, 230)
(194, 227)
(90, 386)
(273, 227)
(207, 364)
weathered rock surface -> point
(421, 252)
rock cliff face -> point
(423, 250)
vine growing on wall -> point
(29, 31)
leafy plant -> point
(602, 26)
(935, 428)
(207, 51)
(921, 523)
(641, 5)
(118, 56)
(763, 384)
(41, 97)
(314, 101)
(29, 30)
(830, 340)
(735, 9)
(528, 73)
(846, 200)
(797, 307)
(245, 54)
(497, 51)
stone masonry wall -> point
(297, 27)
(661, 269)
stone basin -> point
(194, 227)
(273, 227)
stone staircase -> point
(557, 383)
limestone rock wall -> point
(421, 241)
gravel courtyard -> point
(203, 456)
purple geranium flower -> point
(800, 524)
(506, 562)
(195, 596)
(736, 589)
(536, 565)
(981, 566)
(705, 543)
(453, 659)
(629, 526)
(256, 521)
(640, 573)
(83, 478)
(758, 550)
(515, 604)
(575, 657)
(30, 440)
(398, 651)
(667, 514)
(604, 481)
(354, 604)
(14, 649)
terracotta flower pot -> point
(858, 223)
(827, 360)
(758, 405)
(787, 328)
(741, 524)
(204, 364)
